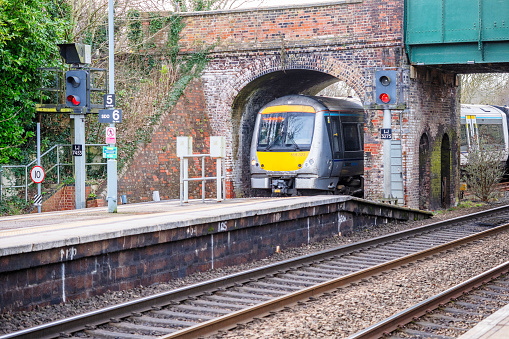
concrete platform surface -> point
(495, 326)
(27, 233)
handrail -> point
(184, 178)
(58, 164)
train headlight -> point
(253, 162)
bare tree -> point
(484, 169)
(485, 89)
(338, 89)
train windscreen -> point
(286, 131)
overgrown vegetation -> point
(29, 32)
(484, 169)
(150, 77)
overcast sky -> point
(269, 3)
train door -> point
(472, 132)
(334, 128)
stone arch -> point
(424, 171)
(262, 80)
(445, 171)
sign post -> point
(110, 101)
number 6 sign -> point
(37, 174)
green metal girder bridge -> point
(465, 36)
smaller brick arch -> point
(424, 171)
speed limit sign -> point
(37, 174)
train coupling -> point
(283, 186)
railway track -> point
(221, 303)
(450, 313)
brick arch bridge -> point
(267, 53)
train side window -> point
(492, 133)
(351, 137)
(334, 129)
(463, 138)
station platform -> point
(52, 257)
(495, 326)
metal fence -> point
(57, 163)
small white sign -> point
(111, 135)
(37, 174)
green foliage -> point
(134, 33)
(14, 205)
(29, 31)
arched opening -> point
(254, 96)
(445, 171)
(424, 172)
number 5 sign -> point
(37, 174)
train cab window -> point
(351, 137)
(287, 131)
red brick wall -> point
(155, 166)
(64, 199)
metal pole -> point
(203, 181)
(186, 176)
(181, 181)
(79, 161)
(26, 183)
(218, 181)
(58, 164)
(224, 179)
(39, 160)
(387, 155)
(111, 163)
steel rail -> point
(234, 318)
(410, 314)
(102, 316)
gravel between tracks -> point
(342, 312)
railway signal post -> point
(388, 95)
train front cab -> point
(319, 161)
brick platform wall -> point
(79, 270)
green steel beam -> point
(440, 32)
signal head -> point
(386, 87)
(76, 88)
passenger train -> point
(487, 122)
(308, 144)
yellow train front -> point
(307, 145)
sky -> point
(270, 3)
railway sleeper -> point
(182, 315)
(421, 334)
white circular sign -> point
(37, 174)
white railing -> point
(184, 178)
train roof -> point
(319, 103)
(482, 110)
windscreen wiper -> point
(297, 148)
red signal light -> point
(385, 98)
(74, 99)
